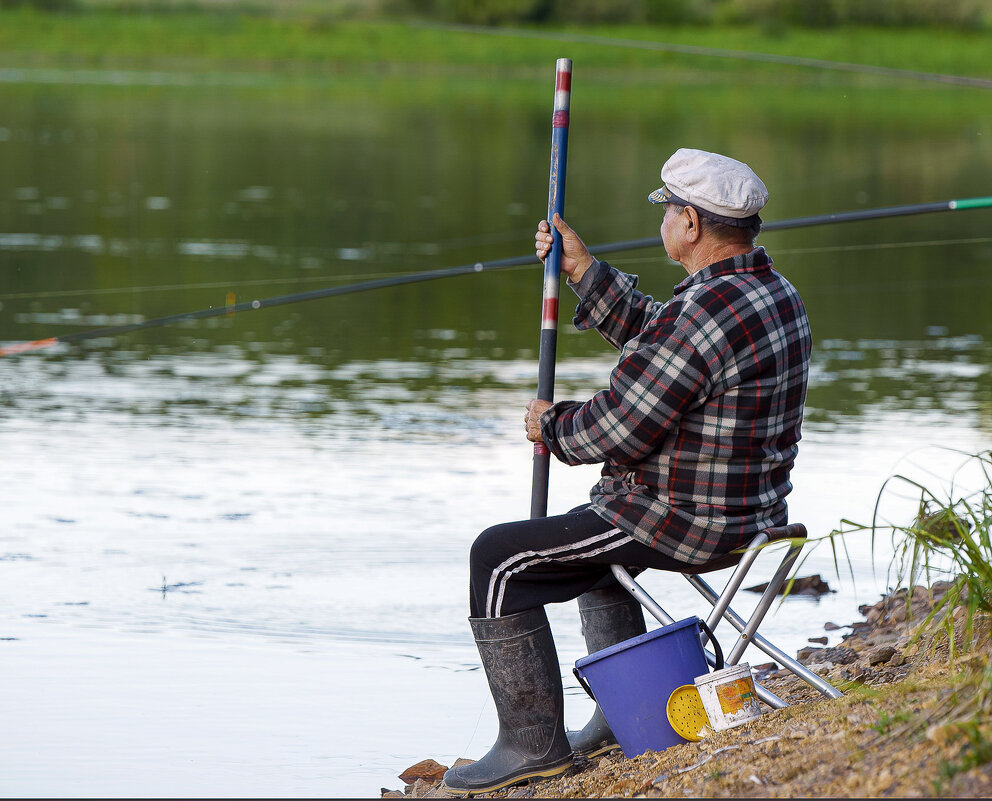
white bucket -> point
(728, 696)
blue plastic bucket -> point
(632, 681)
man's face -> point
(669, 232)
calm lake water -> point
(233, 553)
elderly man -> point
(697, 433)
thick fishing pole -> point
(477, 267)
(547, 355)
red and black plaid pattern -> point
(700, 425)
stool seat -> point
(795, 531)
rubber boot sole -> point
(585, 756)
(540, 773)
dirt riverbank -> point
(906, 727)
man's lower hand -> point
(532, 419)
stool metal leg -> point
(736, 579)
(645, 600)
(773, 651)
(764, 604)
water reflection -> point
(196, 512)
(848, 379)
(950, 374)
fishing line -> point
(58, 293)
(887, 245)
(475, 730)
(239, 248)
(900, 286)
(495, 238)
(716, 52)
(838, 248)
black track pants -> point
(529, 563)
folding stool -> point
(795, 534)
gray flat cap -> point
(718, 187)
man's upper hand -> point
(575, 256)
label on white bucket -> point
(728, 696)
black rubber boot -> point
(608, 616)
(521, 663)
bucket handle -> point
(717, 650)
(584, 683)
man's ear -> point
(692, 224)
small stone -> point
(462, 761)
(921, 593)
(838, 656)
(811, 585)
(830, 626)
(806, 655)
(805, 585)
(883, 653)
(392, 794)
(426, 769)
(818, 640)
(421, 788)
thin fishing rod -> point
(547, 355)
(266, 303)
(822, 219)
(478, 267)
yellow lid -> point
(686, 714)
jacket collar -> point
(755, 261)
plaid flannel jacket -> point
(699, 427)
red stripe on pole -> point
(550, 310)
(563, 81)
(560, 119)
(540, 449)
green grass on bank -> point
(203, 40)
(949, 540)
